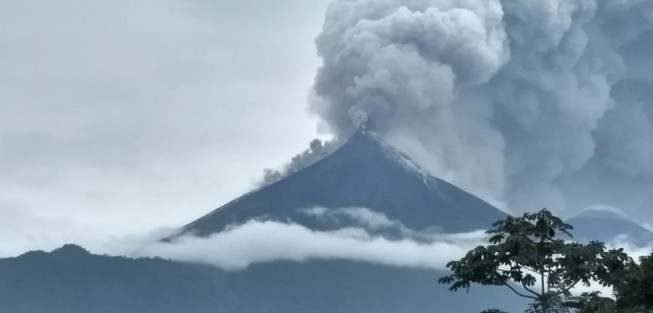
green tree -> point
(635, 290)
(592, 302)
(529, 256)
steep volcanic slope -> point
(604, 225)
(364, 172)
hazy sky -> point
(118, 117)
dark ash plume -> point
(533, 103)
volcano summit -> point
(365, 172)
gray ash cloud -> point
(531, 103)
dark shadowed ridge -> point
(606, 226)
(71, 280)
(364, 172)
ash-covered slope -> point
(364, 172)
(605, 226)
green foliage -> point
(530, 250)
(592, 302)
(556, 304)
(636, 287)
(633, 291)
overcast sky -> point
(119, 117)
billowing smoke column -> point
(532, 103)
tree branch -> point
(530, 290)
(566, 289)
(542, 277)
(517, 292)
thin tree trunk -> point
(545, 299)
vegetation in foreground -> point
(531, 256)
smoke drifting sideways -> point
(529, 103)
(316, 151)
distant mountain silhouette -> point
(364, 172)
(605, 226)
(70, 280)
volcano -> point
(608, 225)
(365, 172)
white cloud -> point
(363, 216)
(376, 222)
(266, 241)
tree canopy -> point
(635, 289)
(530, 256)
